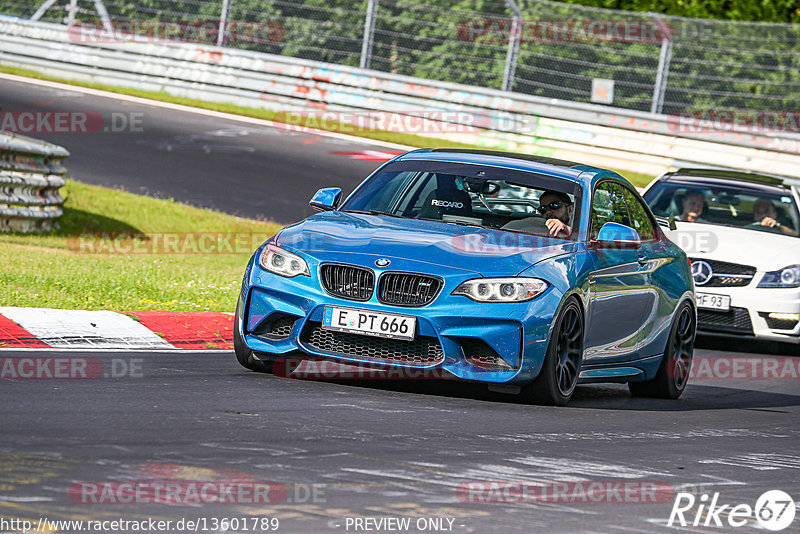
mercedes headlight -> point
(501, 289)
(786, 277)
(278, 261)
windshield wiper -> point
(459, 223)
(374, 212)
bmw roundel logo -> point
(701, 272)
(383, 262)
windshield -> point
(473, 195)
(754, 209)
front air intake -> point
(347, 281)
(408, 289)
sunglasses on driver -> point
(551, 206)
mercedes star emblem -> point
(701, 272)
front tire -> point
(246, 357)
(673, 373)
(562, 364)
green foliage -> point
(742, 10)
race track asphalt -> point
(239, 168)
(380, 449)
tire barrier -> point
(31, 173)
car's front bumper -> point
(751, 307)
(280, 316)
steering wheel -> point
(764, 228)
(530, 225)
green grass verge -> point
(51, 270)
(635, 178)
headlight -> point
(501, 289)
(786, 277)
(276, 260)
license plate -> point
(369, 323)
(709, 301)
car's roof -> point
(569, 170)
(720, 177)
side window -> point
(641, 221)
(608, 205)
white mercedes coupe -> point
(740, 231)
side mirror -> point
(615, 235)
(326, 199)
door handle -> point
(642, 260)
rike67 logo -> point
(774, 510)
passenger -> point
(556, 208)
(692, 204)
(765, 214)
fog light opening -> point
(480, 354)
(784, 316)
(781, 321)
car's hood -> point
(764, 250)
(360, 238)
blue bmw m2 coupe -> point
(529, 274)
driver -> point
(692, 204)
(556, 208)
(765, 214)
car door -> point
(652, 251)
(619, 294)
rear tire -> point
(246, 357)
(562, 364)
(673, 373)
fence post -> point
(73, 8)
(664, 59)
(42, 9)
(369, 33)
(513, 46)
(103, 12)
(98, 4)
(223, 22)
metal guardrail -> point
(632, 140)
(31, 173)
(643, 61)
